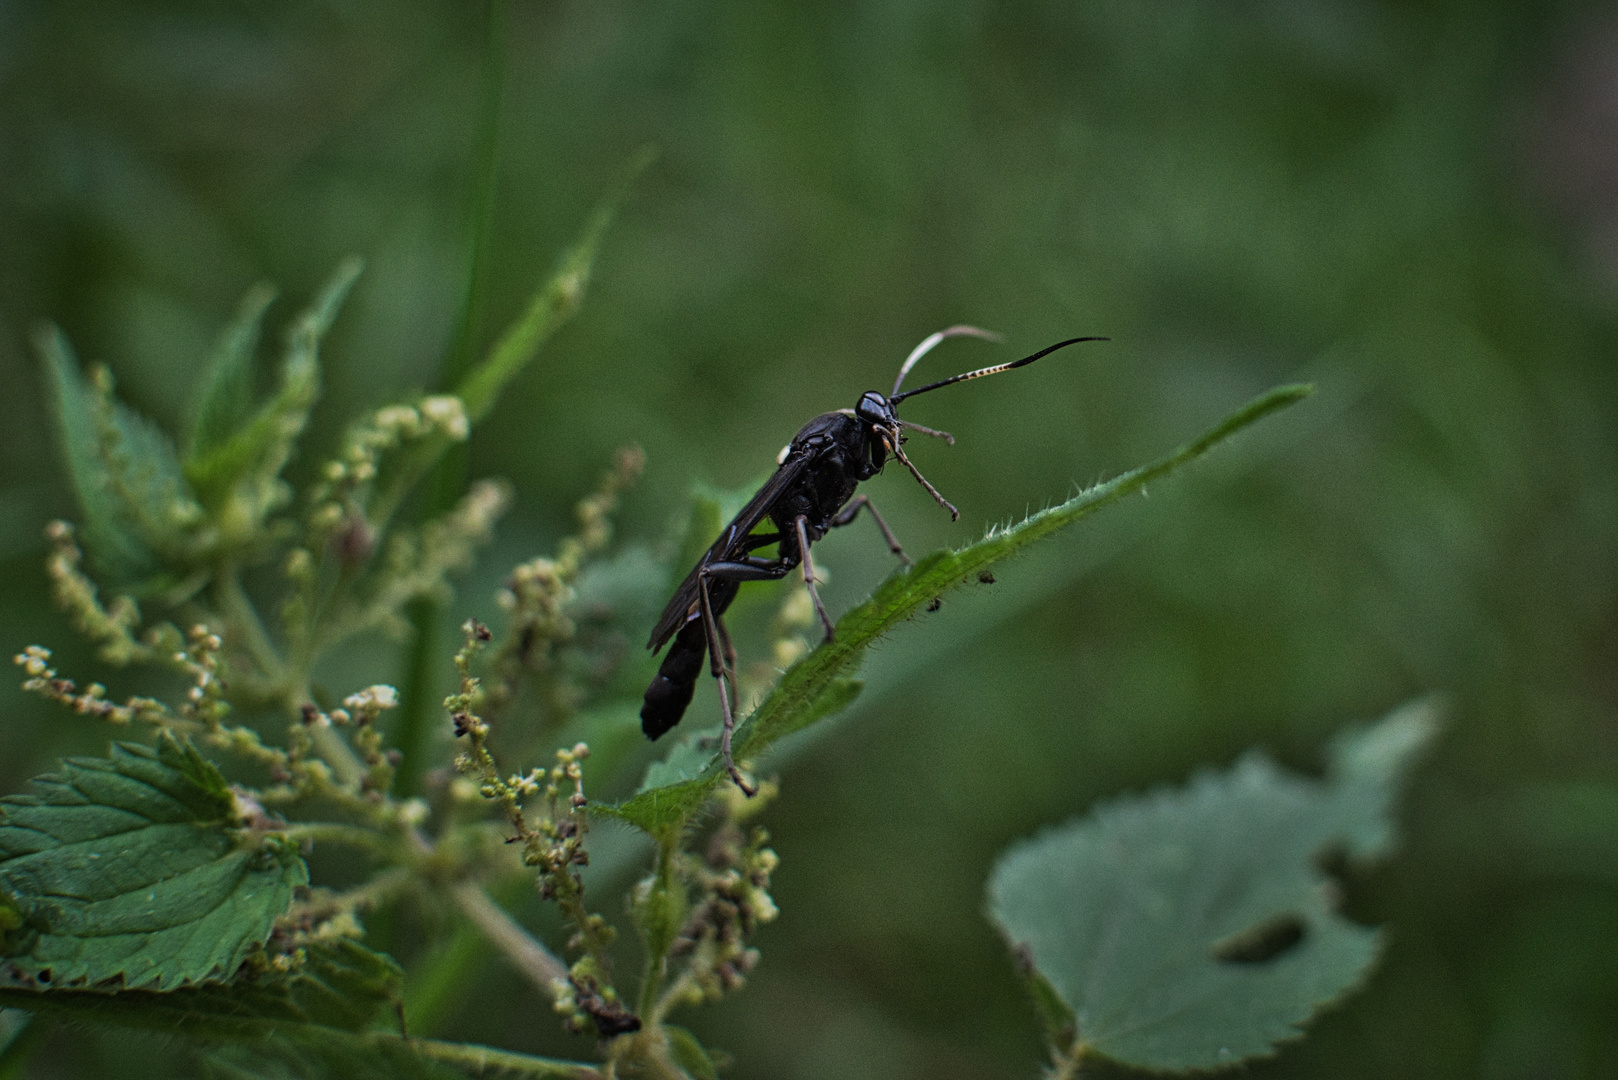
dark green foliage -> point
(136, 868)
(1408, 204)
(339, 985)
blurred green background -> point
(1411, 204)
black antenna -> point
(980, 372)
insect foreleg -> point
(852, 510)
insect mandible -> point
(812, 492)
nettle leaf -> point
(136, 502)
(226, 397)
(819, 685)
(1192, 928)
(341, 984)
(242, 472)
(132, 868)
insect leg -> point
(954, 514)
(934, 432)
(851, 511)
(716, 664)
(730, 656)
(809, 574)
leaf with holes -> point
(1192, 928)
(133, 868)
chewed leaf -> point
(133, 868)
(1191, 928)
(819, 685)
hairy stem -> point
(528, 956)
(243, 624)
(659, 938)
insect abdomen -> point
(670, 692)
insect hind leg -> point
(800, 523)
(716, 663)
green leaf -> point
(242, 473)
(685, 761)
(133, 868)
(340, 984)
(137, 505)
(226, 396)
(819, 684)
(1191, 928)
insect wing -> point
(683, 603)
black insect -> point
(811, 493)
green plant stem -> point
(533, 960)
(242, 618)
(652, 1007)
(481, 204)
(483, 1061)
(448, 478)
(417, 707)
(667, 1000)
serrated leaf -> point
(132, 868)
(1191, 928)
(225, 399)
(819, 685)
(685, 760)
(677, 787)
(341, 984)
(136, 503)
(242, 473)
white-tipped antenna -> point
(933, 339)
(896, 397)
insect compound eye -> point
(874, 409)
